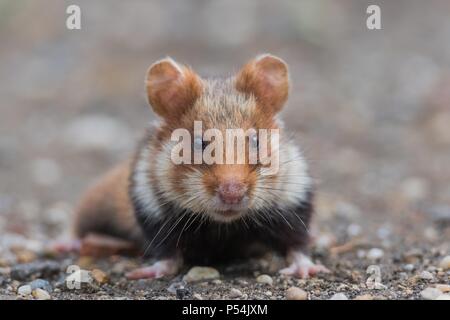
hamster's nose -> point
(231, 192)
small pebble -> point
(41, 284)
(25, 256)
(235, 293)
(361, 254)
(295, 293)
(99, 276)
(265, 279)
(182, 293)
(354, 230)
(77, 278)
(24, 290)
(408, 267)
(339, 296)
(175, 286)
(426, 275)
(403, 276)
(41, 294)
(445, 263)
(201, 273)
(413, 255)
(443, 287)
(375, 254)
(325, 241)
(197, 296)
(443, 297)
(430, 293)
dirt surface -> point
(371, 110)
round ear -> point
(171, 88)
(267, 78)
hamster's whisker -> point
(182, 230)
(156, 235)
(172, 228)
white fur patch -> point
(289, 186)
(142, 188)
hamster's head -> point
(220, 150)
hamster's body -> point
(205, 213)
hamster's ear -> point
(267, 78)
(171, 88)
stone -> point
(409, 267)
(24, 290)
(430, 293)
(235, 293)
(443, 297)
(174, 286)
(264, 279)
(339, 296)
(197, 296)
(445, 263)
(354, 230)
(413, 256)
(325, 241)
(295, 293)
(25, 256)
(99, 276)
(41, 284)
(182, 293)
(375, 254)
(41, 294)
(77, 278)
(443, 287)
(201, 273)
(426, 275)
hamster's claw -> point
(303, 267)
(157, 270)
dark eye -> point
(254, 141)
(199, 143)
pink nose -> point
(231, 192)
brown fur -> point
(249, 100)
(106, 207)
(172, 89)
(267, 78)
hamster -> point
(206, 213)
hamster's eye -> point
(200, 144)
(254, 142)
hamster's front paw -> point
(302, 266)
(159, 269)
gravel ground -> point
(406, 271)
(370, 108)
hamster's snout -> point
(231, 192)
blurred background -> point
(371, 108)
